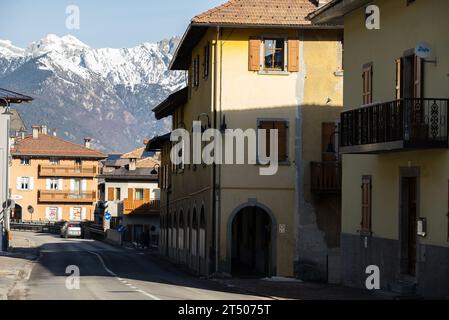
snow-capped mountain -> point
(106, 94)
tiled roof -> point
(51, 146)
(143, 171)
(147, 163)
(259, 12)
(135, 154)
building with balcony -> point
(53, 179)
(256, 65)
(394, 143)
(131, 195)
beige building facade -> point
(394, 137)
(249, 75)
(52, 179)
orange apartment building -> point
(53, 179)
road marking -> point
(149, 295)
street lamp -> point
(7, 111)
(154, 171)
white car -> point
(71, 230)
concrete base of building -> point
(359, 252)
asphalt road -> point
(108, 272)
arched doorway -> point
(252, 243)
(16, 215)
(181, 236)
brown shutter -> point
(111, 194)
(281, 126)
(254, 54)
(418, 84)
(398, 79)
(146, 195)
(293, 55)
(130, 194)
(366, 205)
(367, 84)
(266, 125)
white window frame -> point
(25, 183)
(25, 161)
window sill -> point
(278, 73)
(339, 73)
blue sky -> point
(103, 23)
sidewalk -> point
(284, 288)
(16, 264)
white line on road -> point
(149, 295)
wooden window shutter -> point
(367, 84)
(418, 83)
(293, 55)
(146, 195)
(111, 194)
(281, 126)
(266, 125)
(254, 54)
(366, 205)
(398, 79)
(130, 194)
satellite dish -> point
(423, 50)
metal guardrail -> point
(36, 226)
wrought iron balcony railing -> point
(396, 125)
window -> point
(52, 213)
(196, 72)
(78, 162)
(54, 161)
(117, 194)
(274, 54)
(139, 194)
(25, 183)
(366, 205)
(25, 161)
(367, 77)
(53, 184)
(206, 59)
(282, 127)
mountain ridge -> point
(104, 93)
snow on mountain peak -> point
(7, 49)
(54, 44)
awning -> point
(156, 143)
(13, 97)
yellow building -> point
(255, 65)
(53, 179)
(394, 137)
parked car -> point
(71, 230)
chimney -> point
(36, 130)
(87, 141)
(44, 129)
(132, 164)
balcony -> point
(406, 124)
(54, 196)
(67, 171)
(141, 207)
(325, 177)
